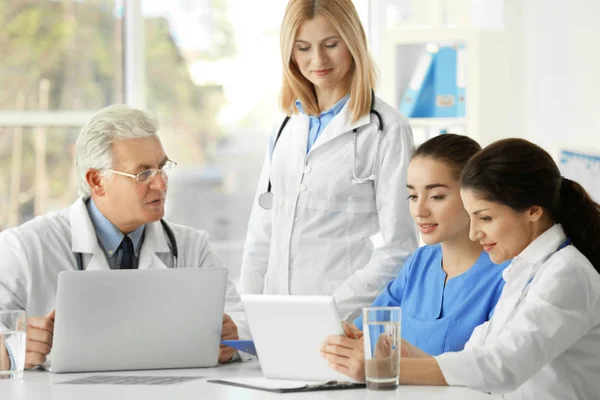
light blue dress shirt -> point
(110, 237)
(318, 124)
(439, 316)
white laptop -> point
(138, 319)
(288, 332)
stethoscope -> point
(170, 236)
(265, 200)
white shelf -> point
(430, 35)
(484, 49)
(437, 122)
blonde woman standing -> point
(335, 171)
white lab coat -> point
(33, 254)
(543, 341)
(316, 238)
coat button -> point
(303, 187)
(307, 169)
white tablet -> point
(288, 332)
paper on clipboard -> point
(266, 383)
(286, 386)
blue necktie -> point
(127, 261)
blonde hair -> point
(344, 18)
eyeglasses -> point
(148, 175)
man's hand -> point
(4, 357)
(229, 332)
(346, 354)
(40, 331)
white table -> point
(41, 385)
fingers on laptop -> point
(40, 329)
(37, 350)
(39, 339)
(42, 323)
(229, 330)
(226, 353)
(34, 359)
(38, 347)
(39, 335)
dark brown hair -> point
(455, 150)
(520, 174)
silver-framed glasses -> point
(148, 175)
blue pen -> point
(247, 346)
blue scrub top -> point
(438, 317)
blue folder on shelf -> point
(445, 83)
(417, 100)
(437, 88)
(247, 346)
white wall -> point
(561, 73)
(540, 75)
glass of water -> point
(13, 328)
(381, 335)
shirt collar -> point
(544, 245)
(335, 110)
(109, 235)
(536, 253)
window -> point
(210, 70)
(37, 172)
(60, 55)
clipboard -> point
(284, 386)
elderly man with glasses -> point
(122, 170)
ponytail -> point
(520, 174)
(579, 216)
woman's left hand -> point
(408, 350)
(346, 354)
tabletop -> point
(42, 385)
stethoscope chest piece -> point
(265, 200)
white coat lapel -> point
(84, 239)
(299, 131)
(339, 125)
(155, 243)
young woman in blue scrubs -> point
(447, 287)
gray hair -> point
(93, 149)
